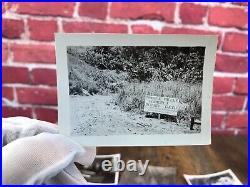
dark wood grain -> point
(225, 152)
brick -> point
(34, 53)
(222, 85)
(242, 132)
(7, 92)
(228, 17)
(36, 33)
(232, 64)
(15, 75)
(12, 28)
(228, 103)
(241, 3)
(224, 132)
(171, 30)
(241, 86)
(192, 13)
(37, 95)
(45, 9)
(46, 114)
(16, 111)
(5, 7)
(94, 27)
(43, 76)
(143, 29)
(142, 10)
(235, 42)
(216, 120)
(94, 10)
(236, 120)
(5, 53)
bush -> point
(85, 79)
(141, 62)
(131, 96)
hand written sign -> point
(162, 105)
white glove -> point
(33, 153)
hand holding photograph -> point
(122, 90)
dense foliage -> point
(147, 63)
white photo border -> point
(188, 178)
(80, 39)
(116, 180)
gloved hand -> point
(33, 153)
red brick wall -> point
(28, 62)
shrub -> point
(131, 96)
(84, 78)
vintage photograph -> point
(94, 174)
(124, 90)
(226, 177)
(135, 90)
(153, 175)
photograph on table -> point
(153, 175)
(226, 177)
(136, 87)
(95, 174)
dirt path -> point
(97, 115)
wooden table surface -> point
(225, 152)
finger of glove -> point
(33, 160)
(19, 127)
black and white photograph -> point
(126, 90)
(153, 175)
(119, 89)
(95, 174)
(226, 177)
